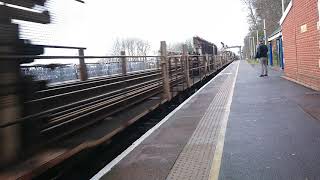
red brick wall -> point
(301, 49)
(289, 45)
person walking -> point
(262, 54)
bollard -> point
(82, 66)
(185, 59)
(124, 62)
(165, 73)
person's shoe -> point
(265, 75)
(261, 75)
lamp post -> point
(265, 31)
(251, 47)
(282, 6)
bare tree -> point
(177, 47)
(271, 11)
(259, 10)
(117, 47)
(143, 47)
(252, 17)
(132, 47)
(189, 43)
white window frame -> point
(286, 12)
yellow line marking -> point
(215, 168)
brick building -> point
(301, 42)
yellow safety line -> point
(216, 163)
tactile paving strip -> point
(196, 158)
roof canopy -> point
(275, 34)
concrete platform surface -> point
(183, 146)
(239, 126)
(270, 135)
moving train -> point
(34, 114)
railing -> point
(108, 66)
(58, 73)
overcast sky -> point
(169, 20)
(97, 23)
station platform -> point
(238, 126)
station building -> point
(301, 42)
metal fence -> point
(109, 66)
(52, 74)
